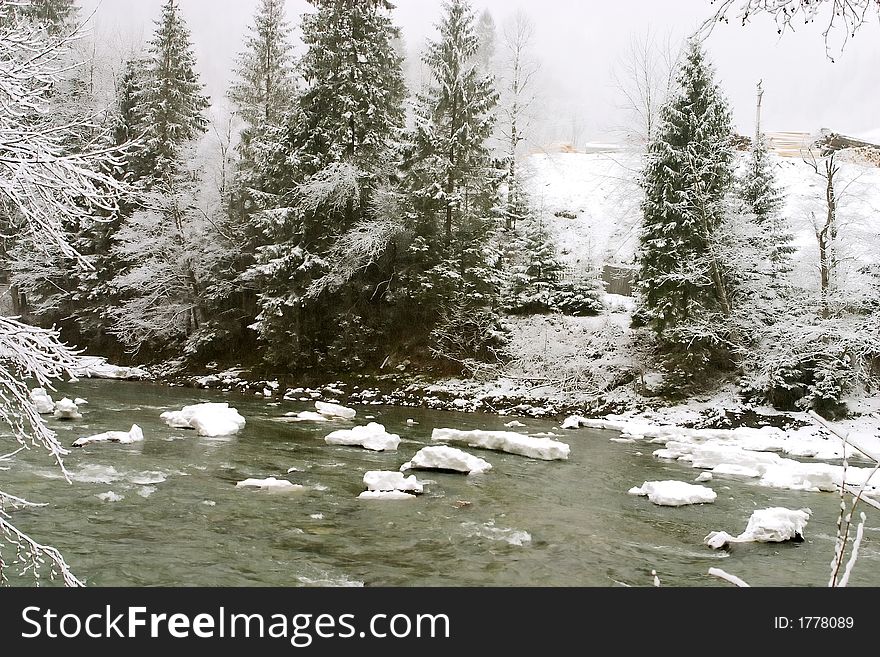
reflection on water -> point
(178, 518)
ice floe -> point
(377, 480)
(335, 410)
(65, 409)
(372, 436)
(674, 493)
(210, 420)
(97, 367)
(385, 495)
(270, 483)
(442, 457)
(773, 525)
(505, 441)
(42, 401)
(110, 496)
(133, 435)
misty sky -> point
(578, 43)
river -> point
(182, 521)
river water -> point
(182, 521)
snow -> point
(545, 449)
(574, 422)
(97, 367)
(271, 483)
(79, 401)
(385, 495)
(733, 579)
(773, 525)
(514, 424)
(438, 457)
(133, 435)
(307, 416)
(372, 436)
(704, 476)
(42, 401)
(210, 420)
(66, 410)
(377, 480)
(335, 410)
(674, 493)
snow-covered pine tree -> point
(758, 189)
(688, 174)
(487, 36)
(265, 86)
(171, 98)
(338, 146)
(452, 262)
(55, 15)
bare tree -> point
(518, 98)
(826, 230)
(643, 78)
(844, 16)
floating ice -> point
(211, 420)
(372, 436)
(438, 457)
(66, 410)
(335, 410)
(270, 484)
(514, 424)
(674, 493)
(42, 401)
(385, 495)
(97, 367)
(505, 441)
(133, 435)
(773, 525)
(110, 496)
(377, 480)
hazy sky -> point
(578, 43)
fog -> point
(579, 43)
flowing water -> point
(182, 521)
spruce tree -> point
(758, 189)
(171, 98)
(487, 38)
(265, 85)
(56, 15)
(686, 179)
(337, 149)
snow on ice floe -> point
(133, 435)
(514, 424)
(42, 401)
(488, 530)
(674, 493)
(773, 525)
(65, 409)
(110, 496)
(335, 411)
(97, 367)
(270, 483)
(441, 457)
(505, 441)
(385, 495)
(210, 420)
(306, 416)
(377, 480)
(372, 436)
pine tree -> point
(56, 15)
(171, 99)
(487, 38)
(687, 177)
(338, 151)
(758, 189)
(265, 86)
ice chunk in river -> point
(505, 441)
(674, 493)
(372, 436)
(376, 480)
(307, 416)
(98, 367)
(66, 410)
(133, 435)
(270, 483)
(335, 410)
(42, 401)
(773, 525)
(385, 495)
(437, 457)
(216, 419)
